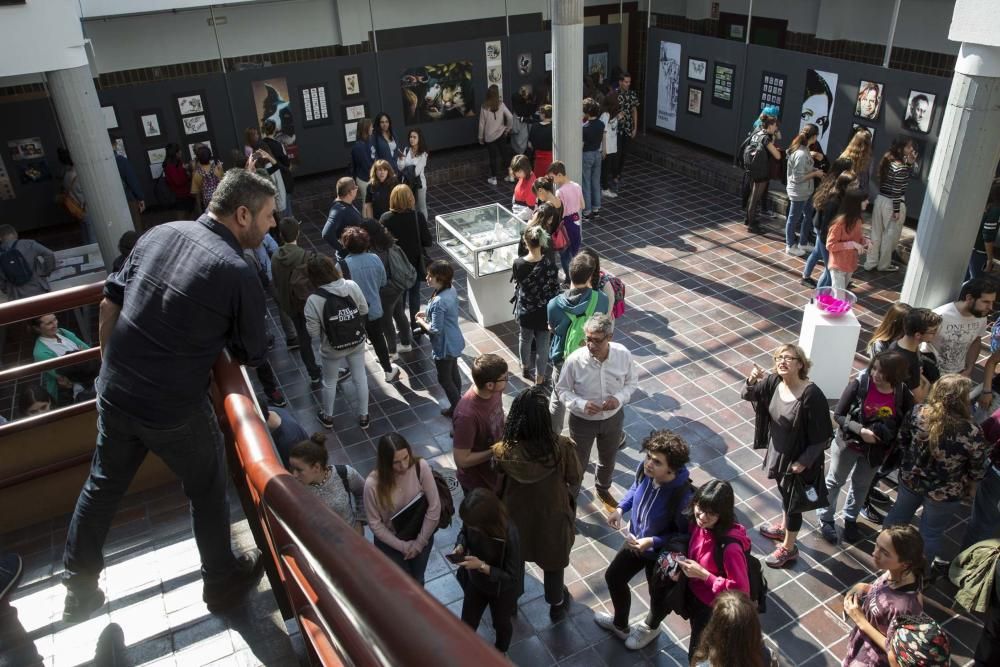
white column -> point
(567, 85)
(75, 100)
(966, 157)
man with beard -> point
(963, 324)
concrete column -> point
(75, 100)
(567, 85)
(968, 150)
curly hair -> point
(671, 445)
(831, 185)
(529, 428)
(859, 150)
(947, 407)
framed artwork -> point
(350, 83)
(817, 103)
(772, 91)
(150, 124)
(156, 157)
(196, 124)
(190, 103)
(919, 111)
(314, 107)
(355, 112)
(438, 92)
(110, 117)
(119, 146)
(272, 101)
(524, 64)
(26, 149)
(858, 126)
(194, 146)
(723, 81)
(350, 132)
(694, 100)
(697, 69)
(922, 165)
(668, 86)
(869, 103)
(597, 63)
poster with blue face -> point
(817, 103)
(437, 92)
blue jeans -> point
(800, 218)
(938, 517)
(533, 351)
(984, 524)
(414, 567)
(819, 251)
(846, 463)
(192, 449)
(591, 181)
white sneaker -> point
(510, 179)
(640, 636)
(793, 251)
(607, 622)
(404, 348)
(392, 375)
(805, 248)
(491, 180)
(394, 356)
(609, 194)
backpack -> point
(574, 334)
(618, 287)
(753, 156)
(755, 573)
(342, 473)
(444, 496)
(15, 267)
(209, 182)
(535, 290)
(398, 269)
(409, 177)
(342, 321)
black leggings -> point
(449, 378)
(700, 613)
(627, 564)
(503, 607)
(793, 522)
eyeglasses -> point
(594, 340)
(786, 357)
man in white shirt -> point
(963, 324)
(595, 383)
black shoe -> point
(79, 607)
(558, 612)
(809, 282)
(872, 515)
(755, 229)
(219, 596)
(316, 383)
(11, 569)
(851, 532)
(878, 496)
(829, 531)
(448, 412)
(622, 442)
(276, 399)
(364, 421)
(270, 343)
(110, 649)
(325, 419)
(292, 343)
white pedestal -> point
(489, 297)
(830, 343)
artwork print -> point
(110, 118)
(869, 102)
(437, 92)
(195, 124)
(156, 157)
(6, 187)
(33, 172)
(667, 86)
(919, 110)
(272, 102)
(190, 104)
(694, 100)
(26, 149)
(193, 147)
(352, 84)
(723, 81)
(351, 132)
(817, 103)
(356, 112)
(597, 66)
(697, 69)
(524, 64)
(150, 125)
(772, 92)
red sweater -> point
(523, 193)
(843, 255)
(734, 577)
(178, 180)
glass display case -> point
(482, 239)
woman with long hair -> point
(732, 637)
(601, 280)
(495, 124)
(440, 321)
(409, 227)
(763, 139)
(799, 187)
(943, 452)
(383, 141)
(381, 180)
(889, 330)
(536, 282)
(540, 140)
(792, 421)
(361, 158)
(416, 156)
(899, 555)
(491, 569)
(401, 480)
(826, 202)
(889, 212)
(540, 467)
(859, 152)
(523, 201)
(845, 240)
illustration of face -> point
(816, 110)
(869, 103)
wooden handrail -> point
(78, 357)
(31, 307)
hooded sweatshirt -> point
(314, 315)
(573, 301)
(291, 293)
(649, 504)
(701, 548)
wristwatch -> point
(482, 568)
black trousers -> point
(305, 346)
(623, 141)
(623, 568)
(376, 335)
(449, 378)
(552, 583)
(499, 152)
(793, 522)
(700, 615)
(503, 607)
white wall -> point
(976, 21)
(40, 36)
(922, 24)
(800, 14)
(95, 8)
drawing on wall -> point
(110, 117)
(34, 172)
(190, 104)
(858, 126)
(694, 100)
(817, 103)
(195, 124)
(869, 103)
(156, 157)
(597, 65)
(919, 110)
(437, 92)
(697, 69)
(6, 187)
(194, 147)
(356, 112)
(351, 132)
(119, 146)
(272, 102)
(351, 83)
(723, 80)
(524, 64)
(667, 86)
(772, 91)
(494, 76)
(494, 66)
(26, 149)
(150, 123)
(493, 51)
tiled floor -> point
(704, 301)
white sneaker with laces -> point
(491, 180)
(608, 193)
(805, 248)
(510, 179)
(793, 251)
(607, 622)
(640, 636)
(392, 375)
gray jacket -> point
(42, 262)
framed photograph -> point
(355, 112)
(919, 112)
(197, 124)
(350, 83)
(697, 69)
(314, 106)
(194, 146)
(437, 92)
(350, 132)
(150, 124)
(110, 117)
(191, 103)
(772, 92)
(858, 126)
(723, 82)
(694, 100)
(869, 103)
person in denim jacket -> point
(440, 320)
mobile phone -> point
(455, 558)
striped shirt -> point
(895, 183)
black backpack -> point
(755, 572)
(15, 267)
(342, 321)
(444, 497)
(753, 156)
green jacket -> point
(974, 571)
(43, 352)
